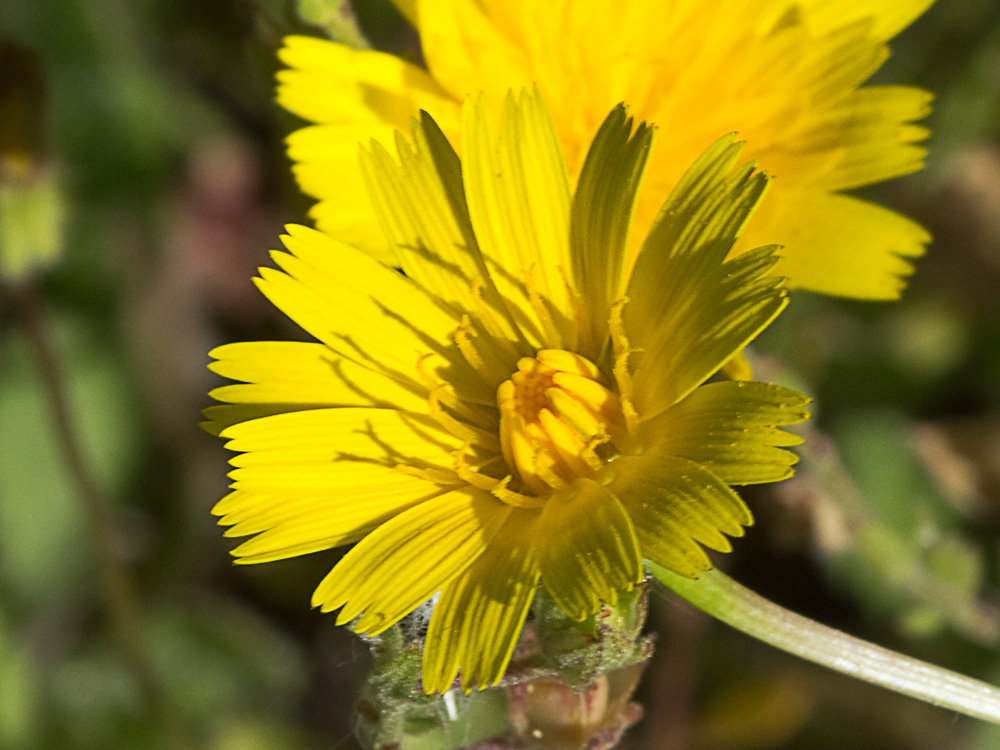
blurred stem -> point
(975, 619)
(119, 590)
(337, 18)
(726, 600)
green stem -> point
(726, 600)
(337, 18)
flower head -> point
(786, 75)
(520, 404)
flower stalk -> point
(726, 600)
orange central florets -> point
(558, 420)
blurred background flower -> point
(159, 122)
(788, 78)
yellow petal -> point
(316, 479)
(326, 436)
(477, 620)
(366, 312)
(840, 245)
(354, 499)
(282, 376)
(420, 202)
(407, 559)
(518, 196)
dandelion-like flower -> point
(520, 404)
(786, 75)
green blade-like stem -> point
(726, 600)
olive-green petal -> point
(587, 548)
(733, 428)
(688, 311)
(676, 507)
(601, 220)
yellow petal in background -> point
(888, 17)
(788, 77)
(467, 53)
(866, 136)
(357, 84)
(355, 95)
(855, 248)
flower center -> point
(558, 420)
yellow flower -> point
(786, 75)
(517, 405)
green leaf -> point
(32, 215)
